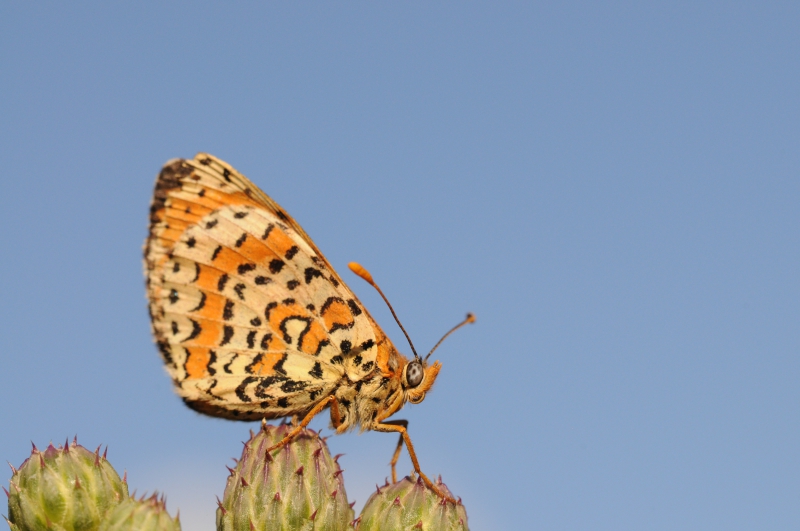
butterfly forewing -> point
(250, 318)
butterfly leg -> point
(322, 404)
(396, 456)
(388, 427)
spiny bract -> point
(68, 488)
(298, 488)
(410, 506)
(144, 514)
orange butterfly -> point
(251, 320)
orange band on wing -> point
(265, 363)
(213, 307)
(279, 241)
(197, 359)
(256, 251)
(312, 338)
(337, 315)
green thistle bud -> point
(296, 489)
(68, 488)
(144, 514)
(410, 506)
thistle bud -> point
(297, 487)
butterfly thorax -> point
(361, 403)
(381, 394)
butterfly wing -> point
(250, 318)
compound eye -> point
(414, 374)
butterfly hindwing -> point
(250, 318)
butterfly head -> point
(417, 379)
(418, 376)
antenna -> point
(359, 270)
(469, 320)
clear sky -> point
(611, 187)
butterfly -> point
(252, 321)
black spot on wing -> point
(337, 359)
(311, 273)
(366, 345)
(245, 268)
(345, 346)
(255, 321)
(176, 267)
(262, 280)
(191, 242)
(354, 309)
(290, 386)
(316, 371)
(283, 402)
(267, 231)
(278, 367)
(173, 296)
(241, 240)
(241, 389)
(227, 366)
(166, 352)
(212, 359)
(292, 284)
(201, 303)
(251, 339)
(357, 360)
(239, 289)
(276, 265)
(240, 215)
(196, 329)
(368, 366)
(227, 334)
(223, 279)
(216, 252)
(271, 306)
(227, 312)
(293, 250)
(226, 174)
(266, 383)
(211, 223)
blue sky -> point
(612, 189)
